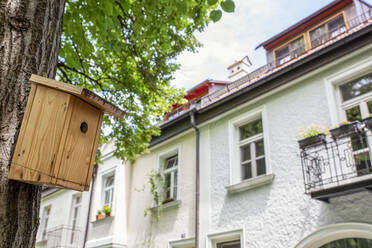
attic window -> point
(238, 68)
(290, 51)
(327, 31)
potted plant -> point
(107, 210)
(368, 122)
(99, 215)
(346, 128)
(314, 135)
(167, 200)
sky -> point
(238, 34)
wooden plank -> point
(76, 157)
(94, 151)
(69, 88)
(16, 171)
(84, 94)
(67, 121)
(39, 143)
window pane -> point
(282, 55)
(109, 181)
(175, 185)
(336, 26)
(369, 105)
(171, 162)
(356, 87)
(246, 170)
(246, 152)
(353, 114)
(260, 148)
(167, 182)
(261, 167)
(250, 129)
(297, 47)
(318, 36)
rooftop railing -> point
(299, 52)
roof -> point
(83, 94)
(206, 81)
(305, 23)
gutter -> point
(90, 204)
(197, 177)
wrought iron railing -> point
(301, 51)
(334, 162)
(61, 237)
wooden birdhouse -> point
(59, 135)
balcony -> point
(338, 164)
(60, 237)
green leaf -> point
(215, 15)
(212, 2)
(228, 6)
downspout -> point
(197, 177)
(90, 204)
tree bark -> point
(30, 33)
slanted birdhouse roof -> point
(83, 94)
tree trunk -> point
(30, 33)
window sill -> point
(250, 183)
(169, 205)
(107, 218)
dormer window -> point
(327, 31)
(290, 51)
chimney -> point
(239, 68)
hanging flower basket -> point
(368, 122)
(346, 129)
(312, 141)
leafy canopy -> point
(125, 51)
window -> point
(356, 104)
(170, 173)
(76, 207)
(327, 31)
(108, 189)
(44, 222)
(290, 51)
(252, 152)
(229, 244)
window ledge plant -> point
(314, 135)
(346, 128)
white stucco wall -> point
(280, 214)
(60, 204)
(175, 222)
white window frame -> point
(226, 236)
(332, 83)
(75, 226)
(44, 222)
(236, 182)
(104, 177)
(162, 157)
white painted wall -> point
(60, 203)
(174, 222)
(280, 214)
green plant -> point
(106, 209)
(99, 212)
(343, 123)
(313, 130)
(156, 182)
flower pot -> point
(368, 122)
(168, 200)
(346, 130)
(312, 141)
(99, 216)
(108, 214)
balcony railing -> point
(353, 25)
(338, 164)
(61, 237)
